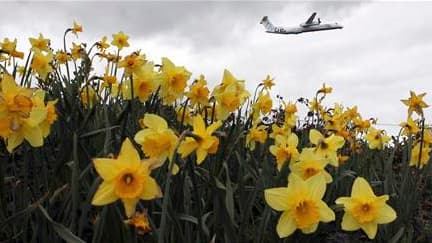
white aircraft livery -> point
(308, 26)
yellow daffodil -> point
(126, 178)
(120, 40)
(364, 210)
(19, 119)
(230, 95)
(51, 115)
(376, 139)
(301, 205)
(145, 82)
(39, 44)
(61, 57)
(409, 127)
(9, 47)
(198, 92)
(420, 160)
(326, 146)
(202, 141)
(174, 81)
(76, 51)
(290, 114)
(76, 28)
(88, 96)
(268, 82)
(42, 64)
(157, 140)
(263, 105)
(285, 149)
(257, 134)
(132, 63)
(140, 222)
(102, 45)
(310, 164)
(415, 103)
(325, 89)
(277, 130)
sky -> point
(383, 51)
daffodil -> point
(157, 140)
(326, 146)
(263, 105)
(257, 134)
(42, 64)
(174, 81)
(290, 114)
(198, 92)
(61, 57)
(132, 63)
(88, 96)
(418, 159)
(410, 127)
(19, 119)
(120, 40)
(102, 45)
(279, 130)
(268, 82)
(301, 205)
(145, 82)
(230, 95)
(285, 149)
(310, 164)
(9, 47)
(126, 178)
(39, 44)
(364, 210)
(203, 142)
(325, 89)
(76, 28)
(51, 115)
(76, 51)
(415, 103)
(376, 139)
(140, 222)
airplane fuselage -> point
(298, 30)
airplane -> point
(308, 26)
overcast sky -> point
(384, 50)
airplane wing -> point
(310, 19)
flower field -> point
(146, 151)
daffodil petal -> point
(317, 186)
(129, 206)
(151, 190)
(128, 155)
(326, 214)
(14, 141)
(349, 223)
(310, 229)
(108, 169)
(187, 146)
(198, 125)
(201, 155)
(33, 135)
(155, 122)
(286, 225)
(277, 198)
(370, 229)
(104, 195)
(361, 188)
(386, 215)
(315, 136)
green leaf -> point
(61, 230)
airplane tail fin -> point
(267, 24)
